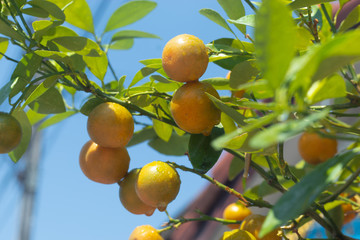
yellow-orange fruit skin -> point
(145, 232)
(110, 125)
(235, 211)
(237, 234)
(192, 109)
(185, 58)
(129, 198)
(10, 132)
(158, 184)
(315, 149)
(253, 224)
(104, 165)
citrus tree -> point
(293, 75)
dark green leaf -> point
(243, 73)
(144, 72)
(26, 131)
(236, 167)
(248, 20)
(129, 13)
(126, 34)
(122, 44)
(56, 119)
(89, 105)
(49, 102)
(6, 30)
(300, 197)
(275, 49)
(235, 10)
(5, 91)
(201, 154)
(52, 9)
(215, 17)
(141, 136)
(177, 145)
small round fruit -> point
(110, 125)
(104, 165)
(129, 198)
(185, 58)
(158, 184)
(315, 149)
(237, 234)
(192, 109)
(253, 224)
(10, 132)
(145, 232)
(347, 208)
(236, 211)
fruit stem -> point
(245, 200)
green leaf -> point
(331, 87)
(215, 17)
(4, 43)
(89, 105)
(122, 44)
(236, 167)
(80, 45)
(163, 130)
(50, 101)
(77, 13)
(235, 10)
(125, 34)
(24, 72)
(243, 73)
(129, 13)
(283, 131)
(46, 30)
(5, 91)
(176, 146)
(300, 197)
(26, 131)
(248, 20)
(52, 9)
(34, 117)
(141, 136)
(40, 90)
(201, 154)
(218, 83)
(154, 62)
(6, 30)
(227, 123)
(352, 18)
(56, 119)
(305, 3)
(142, 73)
(97, 65)
(275, 40)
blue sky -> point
(68, 205)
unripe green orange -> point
(10, 132)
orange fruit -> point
(104, 165)
(347, 208)
(10, 132)
(110, 125)
(185, 58)
(236, 211)
(158, 184)
(128, 196)
(192, 109)
(145, 232)
(237, 234)
(315, 149)
(253, 224)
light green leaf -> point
(141, 136)
(306, 3)
(26, 131)
(275, 49)
(283, 131)
(129, 13)
(122, 44)
(56, 119)
(248, 20)
(153, 62)
(80, 45)
(142, 73)
(235, 10)
(77, 13)
(34, 117)
(331, 87)
(4, 43)
(227, 123)
(97, 65)
(132, 34)
(352, 18)
(163, 130)
(243, 73)
(300, 197)
(218, 83)
(215, 17)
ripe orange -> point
(110, 125)
(192, 109)
(185, 58)
(347, 208)
(145, 232)
(253, 224)
(237, 234)
(104, 165)
(129, 198)
(10, 132)
(315, 149)
(158, 184)
(236, 211)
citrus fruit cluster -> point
(10, 132)
(185, 59)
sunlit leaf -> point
(215, 17)
(56, 119)
(235, 10)
(4, 43)
(163, 130)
